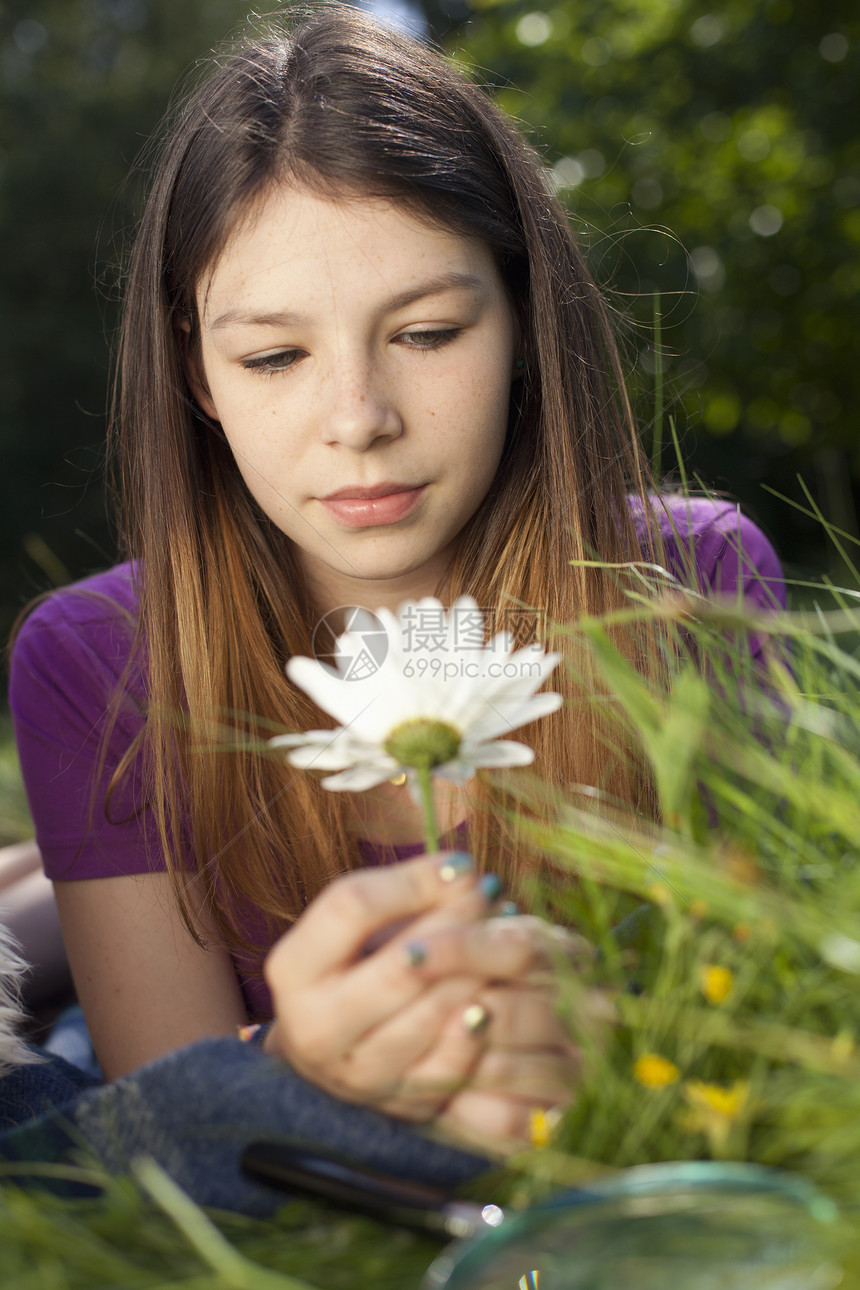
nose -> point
(360, 411)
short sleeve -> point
(710, 544)
(68, 683)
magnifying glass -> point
(696, 1225)
(691, 1226)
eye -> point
(429, 338)
(268, 364)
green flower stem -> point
(425, 784)
(420, 745)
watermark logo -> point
(431, 646)
(362, 654)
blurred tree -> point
(84, 83)
(709, 153)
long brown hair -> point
(341, 104)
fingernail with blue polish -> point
(415, 953)
(456, 865)
(509, 909)
(491, 886)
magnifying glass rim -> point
(651, 1180)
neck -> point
(328, 589)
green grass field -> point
(729, 959)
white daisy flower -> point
(437, 703)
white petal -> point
(414, 788)
(357, 779)
(504, 752)
(312, 757)
(391, 624)
(503, 680)
(318, 749)
(523, 672)
(339, 698)
(483, 691)
(362, 706)
(501, 643)
(501, 717)
(459, 771)
(464, 604)
(306, 737)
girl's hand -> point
(528, 1063)
(399, 1027)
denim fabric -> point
(70, 1039)
(30, 1091)
(195, 1110)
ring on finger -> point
(476, 1019)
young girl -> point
(362, 361)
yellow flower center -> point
(655, 1071)
(422, 744)
(717, 983)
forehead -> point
(296, 240)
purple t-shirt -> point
(71, 653)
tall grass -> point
(15, 822)
(727, 936)
(728, 933)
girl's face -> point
(359, 363)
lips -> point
(356, 493)
(358, 507)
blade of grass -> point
(657, 443)
(234, 1269)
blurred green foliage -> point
(709, 154)
(84, 82)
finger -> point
(544, 1078)
(452, 1061)
(419, 1057)
(468, 903)
(491, 1120)
(487, 1120)
(529, 1017)
(357, 906)
(503, 949)
(514, 1082)
(523, 1018)
(339, 1012)
(367, 993)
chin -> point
(406, 581)
(389, 566)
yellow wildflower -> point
(713, 1110)
(698, 908)
(717, 983)
(728, 1102)
(542, 1124)
(655, 1071)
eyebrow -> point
(286, 318)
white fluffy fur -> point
(13, 1052)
